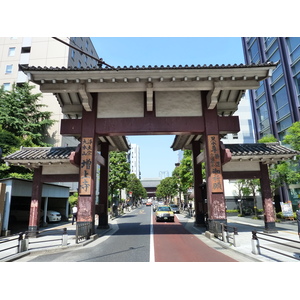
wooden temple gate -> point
(195, 103)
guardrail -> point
(10, 245)
(46, 238)
(23, 241)
(224, 232)
(256, 246)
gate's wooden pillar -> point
(199, 201)
(36, 200)
(87, 170)
(214, 177)
(103, 190)
(269, 214)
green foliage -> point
(22, 114)
(185, 172)
(9, 143)
(135, 186)
(22, 123)
(286, 172)
(293, 136)
(268, 139)
(232, 211)
(167, 188)
(73, 199)
(119, 170)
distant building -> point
(134, 159)
(43, 51)
(150, 184)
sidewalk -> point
(245, 226)
(52, 242)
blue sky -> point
(156, 154)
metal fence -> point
(26, 241)
(287, 245)
(83, 231)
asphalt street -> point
(137, 237)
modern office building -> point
(48, 52)
(276, 103)
(134, 159)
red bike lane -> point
(173, 243)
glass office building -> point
(276, 103)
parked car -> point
(175, 208)
(22, 215)
(164, 213)
(52, 216)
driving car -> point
(175, 208)
(164, 213)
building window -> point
(8, 69)
(277, 72)
(6, 86)
(268, 41)
(264, 116)
(281, 101)
(261, 100)
(270, 52)
(293, 43)
(297, 83)
(25, 49)
(260, 90)
(73, 53)
(11, 51)
(79, 64)
(296, 68)
(254, 54)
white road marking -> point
(152, 256)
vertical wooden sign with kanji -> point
(215, 165)
(86, 166)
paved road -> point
(173, 243)
(137, 237)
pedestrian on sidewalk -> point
(74, 214)
(298, 218)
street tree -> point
(119, 170)
(10, 143)
(22, 123)
(292, 137)
(22, 114)
(186, 178)
(135, 187)
(167, 189)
